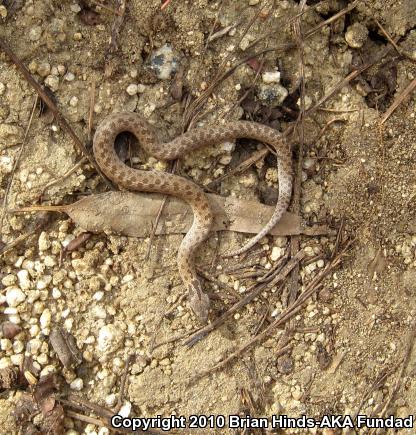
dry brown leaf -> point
(133, 214)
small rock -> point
(271, 76)
(42, 359)
(73, 102)
(77, 384)
(248, 180)
(309, 165)
(61, 70)
(24, 280)
(56, 293)
(253, 2)
(109, 338)
(297, 394)
(35, 33)
(43, 242)
(164, 62)
(2, 88)
(356, 35)
(75, 8)
(5, 362)
(34, 346)
(44, 69)
(3, 12)
(111, 400)
(17, 359)
(18, 346)
(52, 82)
(276, 253)
(125, 409)
(49, 261)
(132, 89)
(14, 296)
(69, 77)
(45, 318)
(99, 312)
(272, 94)
(5, 344)
(6, 164)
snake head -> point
(199, 301)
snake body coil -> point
(170, 184)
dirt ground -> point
(348, 350)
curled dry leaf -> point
(65, 347)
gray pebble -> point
(132, 89)
(52, 82)
(35, 33)
(164, 62)
(69, 77)
(272, 94)
(356, 35)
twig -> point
(165, 4)
(66, 175)
(91, 112)
(130, 359)
(405, 361)
(326, 126)
(118, 22)
(41, 221)
(256, 290)
(286, 314)
(50, 103)
(243, 166)
(409, 89)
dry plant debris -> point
(309, 322)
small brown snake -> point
(170, 184)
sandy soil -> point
(348, 342)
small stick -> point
(118, 22)
(130, 359)
(405, 361)
(252, 295)
(50, 103)
(40, 223)
(243, 166)
(399, 100)
(313, 287)
(91, 112)
(66, 175)
(165, 5)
